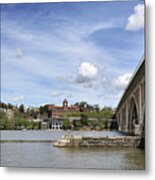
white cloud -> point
(87, 72)
(122, 81)
(17, 98)
(136, 20)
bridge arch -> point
(133, 115)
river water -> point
(44, 154)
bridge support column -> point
(137, 129)
(140, 104)
(127, 117)
(120, 121)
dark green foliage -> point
(3, 105)
(3, 120)
(77, 125)
(10, 106)
(84, 119)
(43, 110)
(108, 112)
(67, 124)
(18, 121)
(106, 124)
(99, 124)
(85, 107)
(21, 108)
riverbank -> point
(90, 141)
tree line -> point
(21, 117)
(13, 117)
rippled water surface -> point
(44, 154)
(51, 135)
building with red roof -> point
(58, 111)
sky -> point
(82, 51)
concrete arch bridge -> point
(130, 111)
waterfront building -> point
(56, 124)
(58, 111)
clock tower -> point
(65, 104)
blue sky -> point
(84, 51)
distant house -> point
(58, 111)
(54, 124)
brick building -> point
(57, 111)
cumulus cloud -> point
(87, 72)
(136, 20)
(122, 81)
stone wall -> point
(79, 141)
(128, 141)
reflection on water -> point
(46, 155)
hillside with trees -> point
(90, 117)
(15, 118)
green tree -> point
(3, 105)
(43, 109)
(21, 108)
(3, 119)
(10, 106)
(82, 106)
(107, 112)
(77, 125)
(66, 124)
(84, 119)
